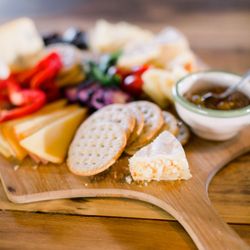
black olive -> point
(51, 38)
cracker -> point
(183, 134)
(95, 148)
(139, 123)
(153, 119)
(169, 123)
(124, 109)
(111, 116)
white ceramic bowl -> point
(207, 123)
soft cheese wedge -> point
(163, 159)
(27, 128)
(51, 142)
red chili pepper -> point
(29, 100)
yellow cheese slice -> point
(5, 149)
(51, 142)
(7, 136)
(31, 126)
(168, 80)
(53, 106)
(151, 86)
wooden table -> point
(222, 40)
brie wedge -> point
(163, 159)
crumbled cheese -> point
(128, 179)
(16, 167)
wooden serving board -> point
(186, 200)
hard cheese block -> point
(20, 44)
(163, 159)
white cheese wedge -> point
(186, 59)
(4, 69)
(108, 37)
(163, 159)
(20, 44)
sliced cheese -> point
(163, 159)
(31, 126)
(51, 142)
(20, 44)
(8, 140)
(5, 149)
(159, 50)
(171, 43)
(186, 59)
(167, 80)
(109, 38)
(54, 106)
(151, 86)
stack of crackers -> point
(118, 128)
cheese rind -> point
(163, 159)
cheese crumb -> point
(16, 167)
(128, 179)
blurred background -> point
(218, 31)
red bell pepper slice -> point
(51, 64)
(51, 90)
(3, 91)
(29, 100)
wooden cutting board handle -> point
(188, 200)
(205, 226)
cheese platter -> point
(45, 175)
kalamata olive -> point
(76, 37)
(52, 38)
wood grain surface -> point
(22, 230)
(228, 192)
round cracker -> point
(95, 148)
(111, 116)
(153, 119)
(169, 123)
(139, 123)
(121, 108)
(183, 134)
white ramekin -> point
(207, 123)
